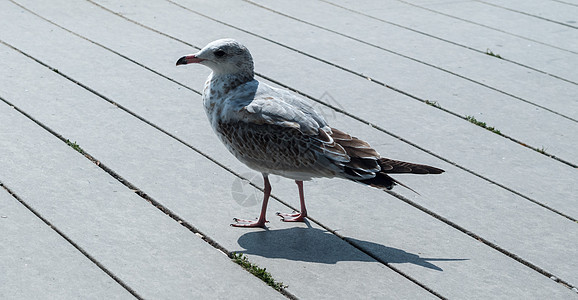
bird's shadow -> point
(319, 246)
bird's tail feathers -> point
(389, 166)
(384, 182)
(396, 166)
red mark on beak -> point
(189, 59)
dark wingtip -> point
(182, 61)
(435, 170)
(396, 166)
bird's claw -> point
(292, 217)
(249, 223)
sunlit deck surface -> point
(114, 185)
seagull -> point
(274, 131)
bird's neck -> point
(217, 88)
(224, 83)
(216, 92)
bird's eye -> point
(219, 53)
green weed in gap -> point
(433, 103)
(473, 120)
(490, 53)
(74, 146)
(261, 273)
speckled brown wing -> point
(367, 167)
(286, 150)
(362, 162)
(281, 150)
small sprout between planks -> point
(74, 146)
(473, 120)
(261, 273)
(433, 103)
(490, 53)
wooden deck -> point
(143, 210)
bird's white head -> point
(224, 57)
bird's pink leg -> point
(261, 221)
(296, 217)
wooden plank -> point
(510, 22)
(145, 100)
(457, 94)
(37, 263)
(138, 242)
(487, 154)
(468, 35)
(150, 252)
(552, 11)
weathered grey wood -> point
(467, 34)
(139, 243)
(37, 263)
(156, 99)
(207, 197)
(488, 154)
(151, 253)
(511, 22)
(552, 11)
(461, 96)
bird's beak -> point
(189, 59)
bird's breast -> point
(213, 101)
